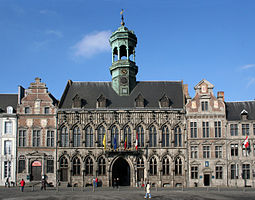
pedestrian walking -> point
(43, 187)
(148, 191)
(96, 181)
(7, 183)
(22, 185)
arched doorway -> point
(63, 169)
(36, 171)
(121, 170)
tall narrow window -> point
(193, 150)
(217, 128)
(21, 165)
(140, 133)
(165, 137)
(206, 133)
(76, 137)
(36, 138)
(194, 172)
(127, 136)
(100, 135)
(115, 137)
(193, 129)
(89, 137)
(218, 151)
(22, 138)
(153, 166)
(50, 166)
(206, 151)
(64, 137)
(218, 172)
(88, 166)
(7, 147)
(245, 129)
(234, 171)
(246, 171)
(101, 166)
(204, 105)
(76, 166)
(177, 137)
(140, 162)
(50, 138)
(152, 136)
(8, 127)
(7, 169)
(233, 129)
(234, 149)
(166, 166)
(178, 167)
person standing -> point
(22, 185)
(43, 187)
(148, 191)
(96, 181)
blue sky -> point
(187, 40)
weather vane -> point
(122, 18)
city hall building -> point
(122, 112)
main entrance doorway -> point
(36, 171)
(121, 170)
(206, 179)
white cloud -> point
(251, 81)
(54, 32)
(247, 66)
(92, 44)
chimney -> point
(220, 95)
(186, 90)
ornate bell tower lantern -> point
(123, 69)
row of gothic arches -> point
(120, 167)
(89, 136)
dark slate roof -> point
(152, 91)
(234, 109)
(8, 100)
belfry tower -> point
(123, 69)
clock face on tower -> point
(123, 80)
(124, 71)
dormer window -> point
(27, 110)
(9, 110)
(76, 101)
(139, 101)
(101, 101)
(46, 110)
(244, 115)
(204, 105)
(164, 101)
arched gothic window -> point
(76, 137)
(114, 137)
(63, 162)
(89, 137)
(153, 136)
(165, 137)
(166, 166)
(177, 137)
(127, 136)
(153, 166)
(101, 166)
(140, 133)
(100, 135)
(88, 166)
(64, 137)
(178, 166)
(76, 166)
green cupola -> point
(123, 69)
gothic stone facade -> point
(88, 112)
(36, 149)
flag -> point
(115, 143)
(121, 11)
(246, 142)
(104, 141)
(136, 142)
(125, 143)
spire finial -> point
(122, 18)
